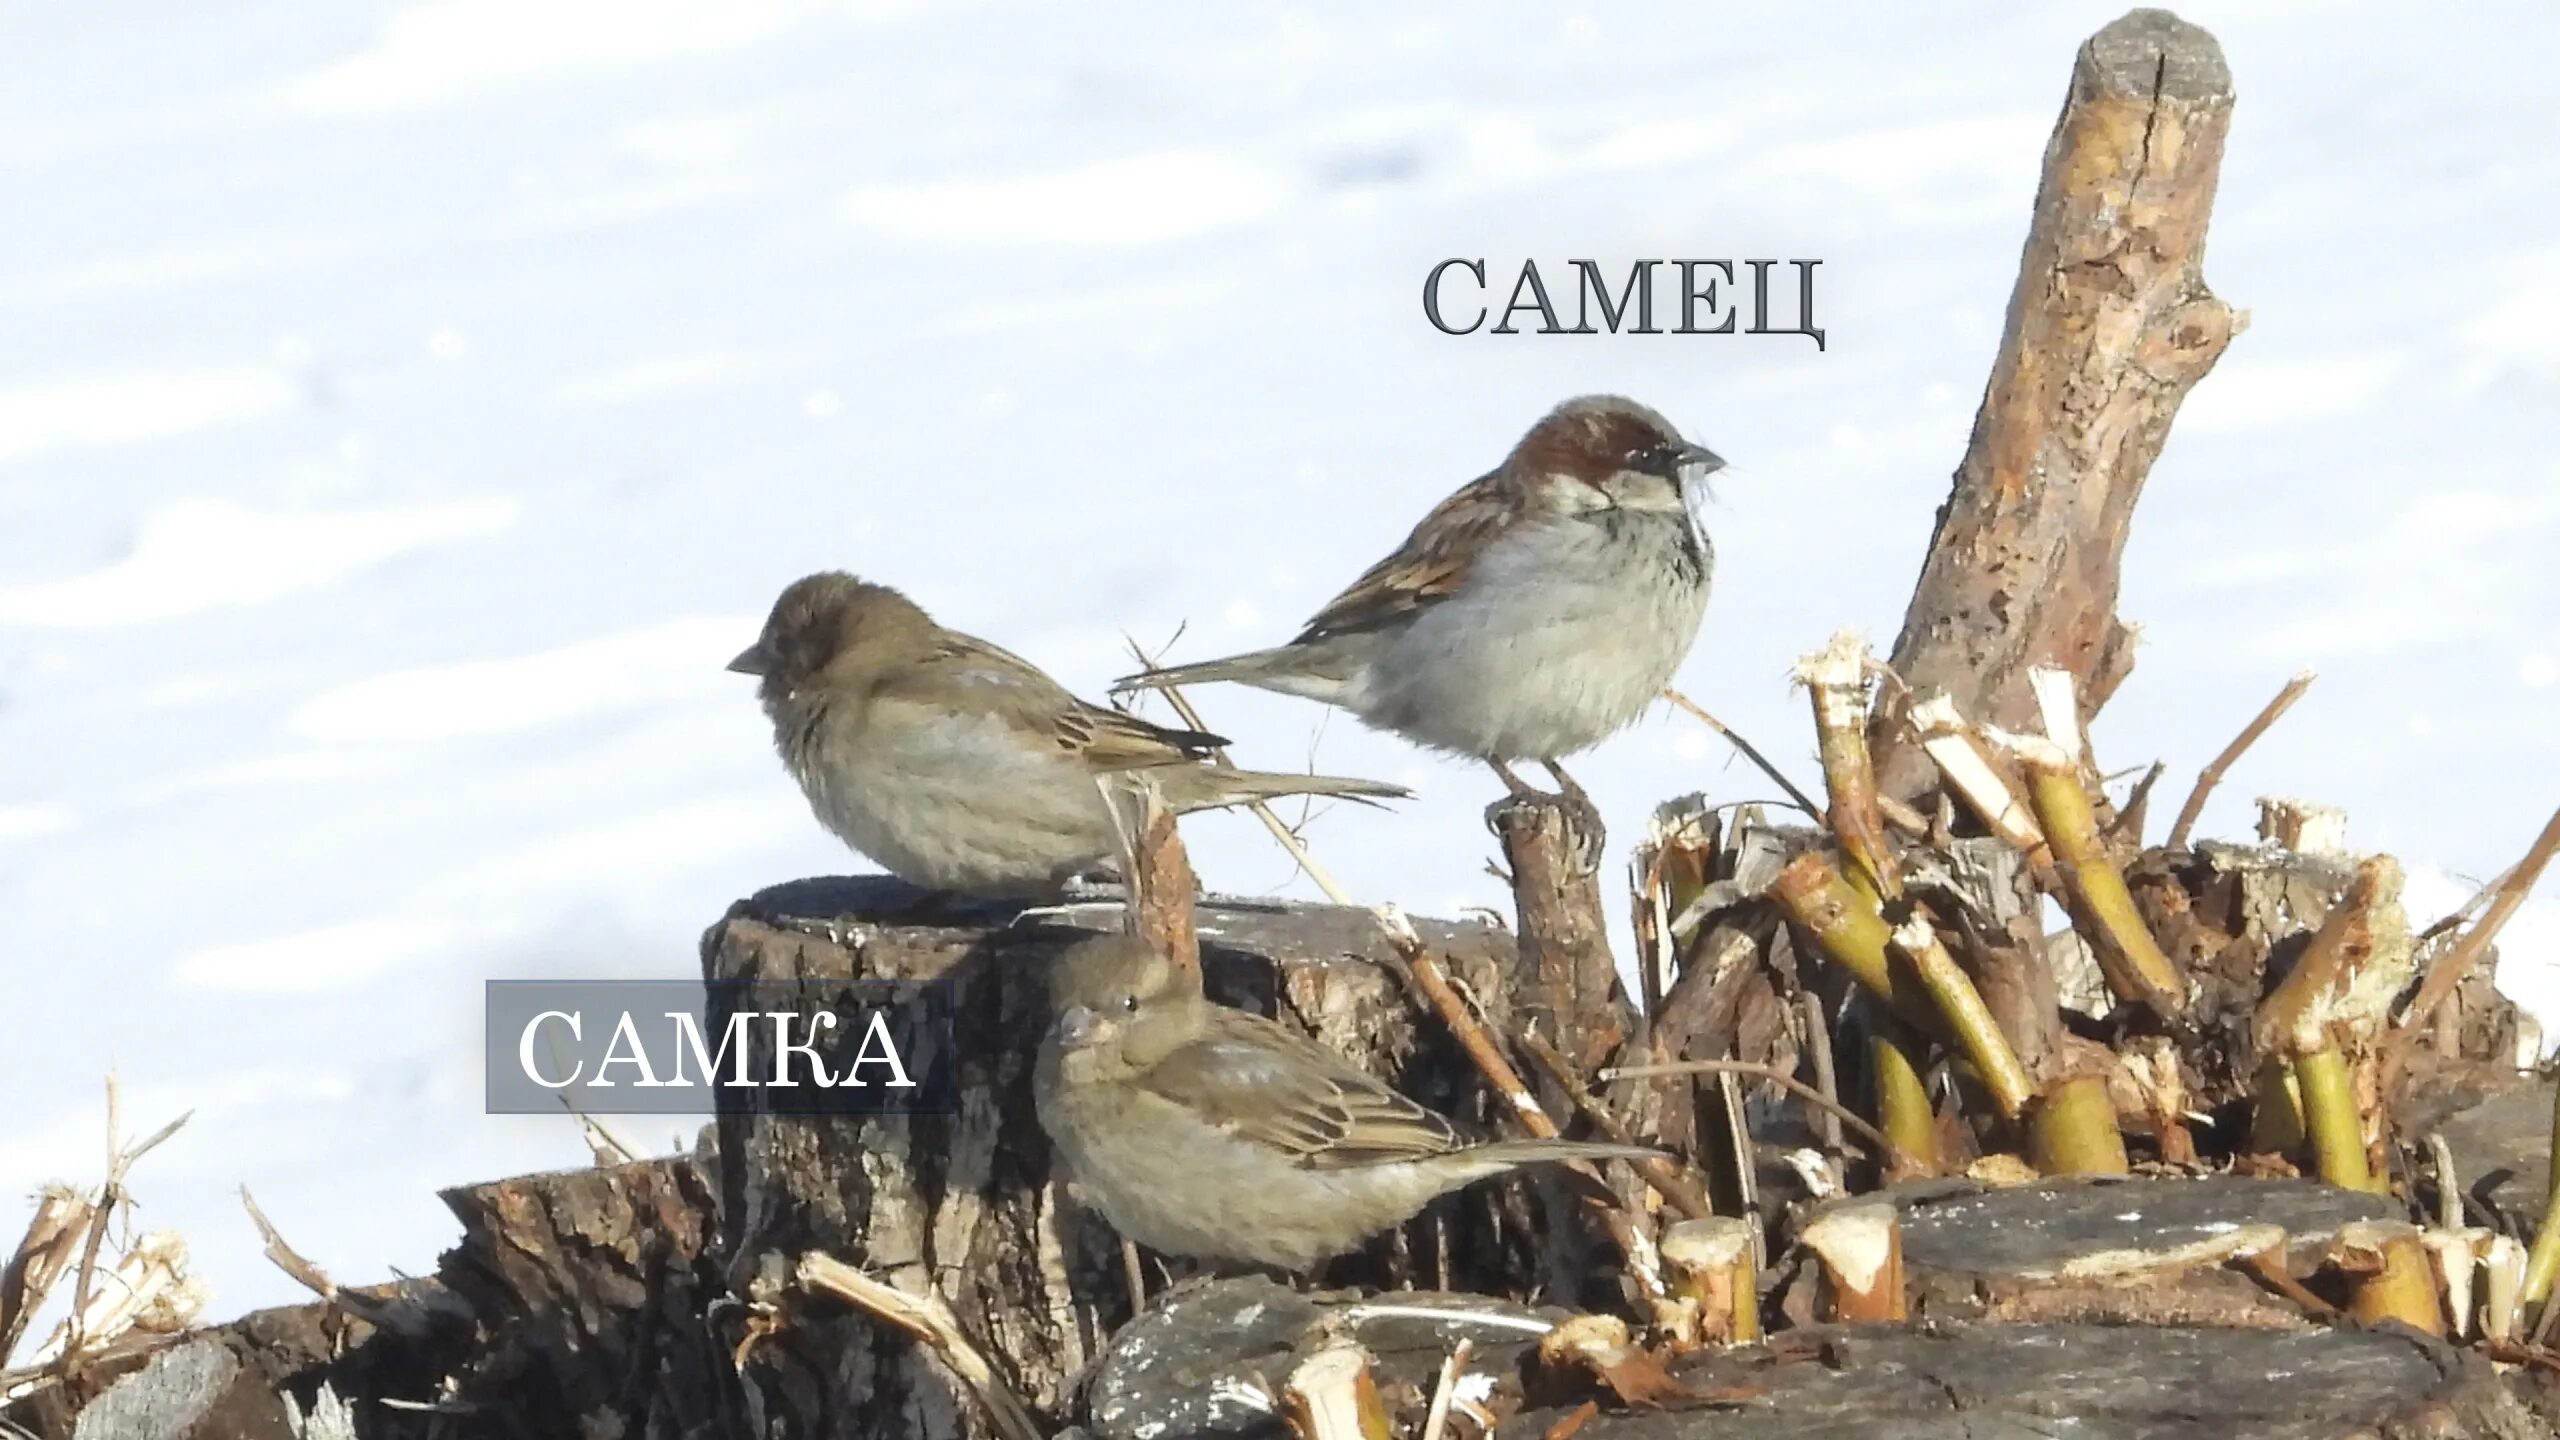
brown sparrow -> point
(1534, 613)
(1202, 1131)
(959, 766)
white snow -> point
(406, 409)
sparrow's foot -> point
(1591, 836)
(1586, 836)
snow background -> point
(406, 410)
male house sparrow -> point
(954, 764)
(1532, 614)
(1203, 1131)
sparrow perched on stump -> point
(1530, 615)
(959, 766)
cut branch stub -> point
(1859, 1250)
(2109, 326)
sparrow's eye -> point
(1129, 1004)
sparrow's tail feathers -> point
(1301, 670)
(1235, 787)
(1509, 1153)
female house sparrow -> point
(954, 764)
(1532, 614)
(1203, 1131)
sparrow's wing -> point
(1262, 1082)
(968, 673)
(1430, 565)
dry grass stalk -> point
(1678, 1188)
(1435, 1421)
(1431, 982)
(1714, 1284)
(1885, 1147)
(1751, 752)
(1826, 1074)
(930, 1322)
(2213, 772)
(147, 1289)
(1331, 1396)
(1859, 1249)
(151, 1287)
(1262, 810)
(285, 1258)
(1836, 677)
(2447, 973)
(1441, 998)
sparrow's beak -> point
(1079, 1026)
(750, 661)
(1699, 462)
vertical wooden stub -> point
(1715, 1292)
(2108, 328)
(1574, 996)
(1155, 868)
(1859, 1250)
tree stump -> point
(966, 1202)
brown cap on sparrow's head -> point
(1613, 445)
(822, 619)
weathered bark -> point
(2109, 326)
(2107, 1251)
(1573, 995)
(591, 1289)
(303, 1372)
(966, 1202)
(1951, 1379)
(574, 1304)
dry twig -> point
(2447, 973)
(928, 1320)
(1795, 796)
(2212, 774)
(1775, 1076)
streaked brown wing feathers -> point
(1268, 1084)
(1432, 563)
